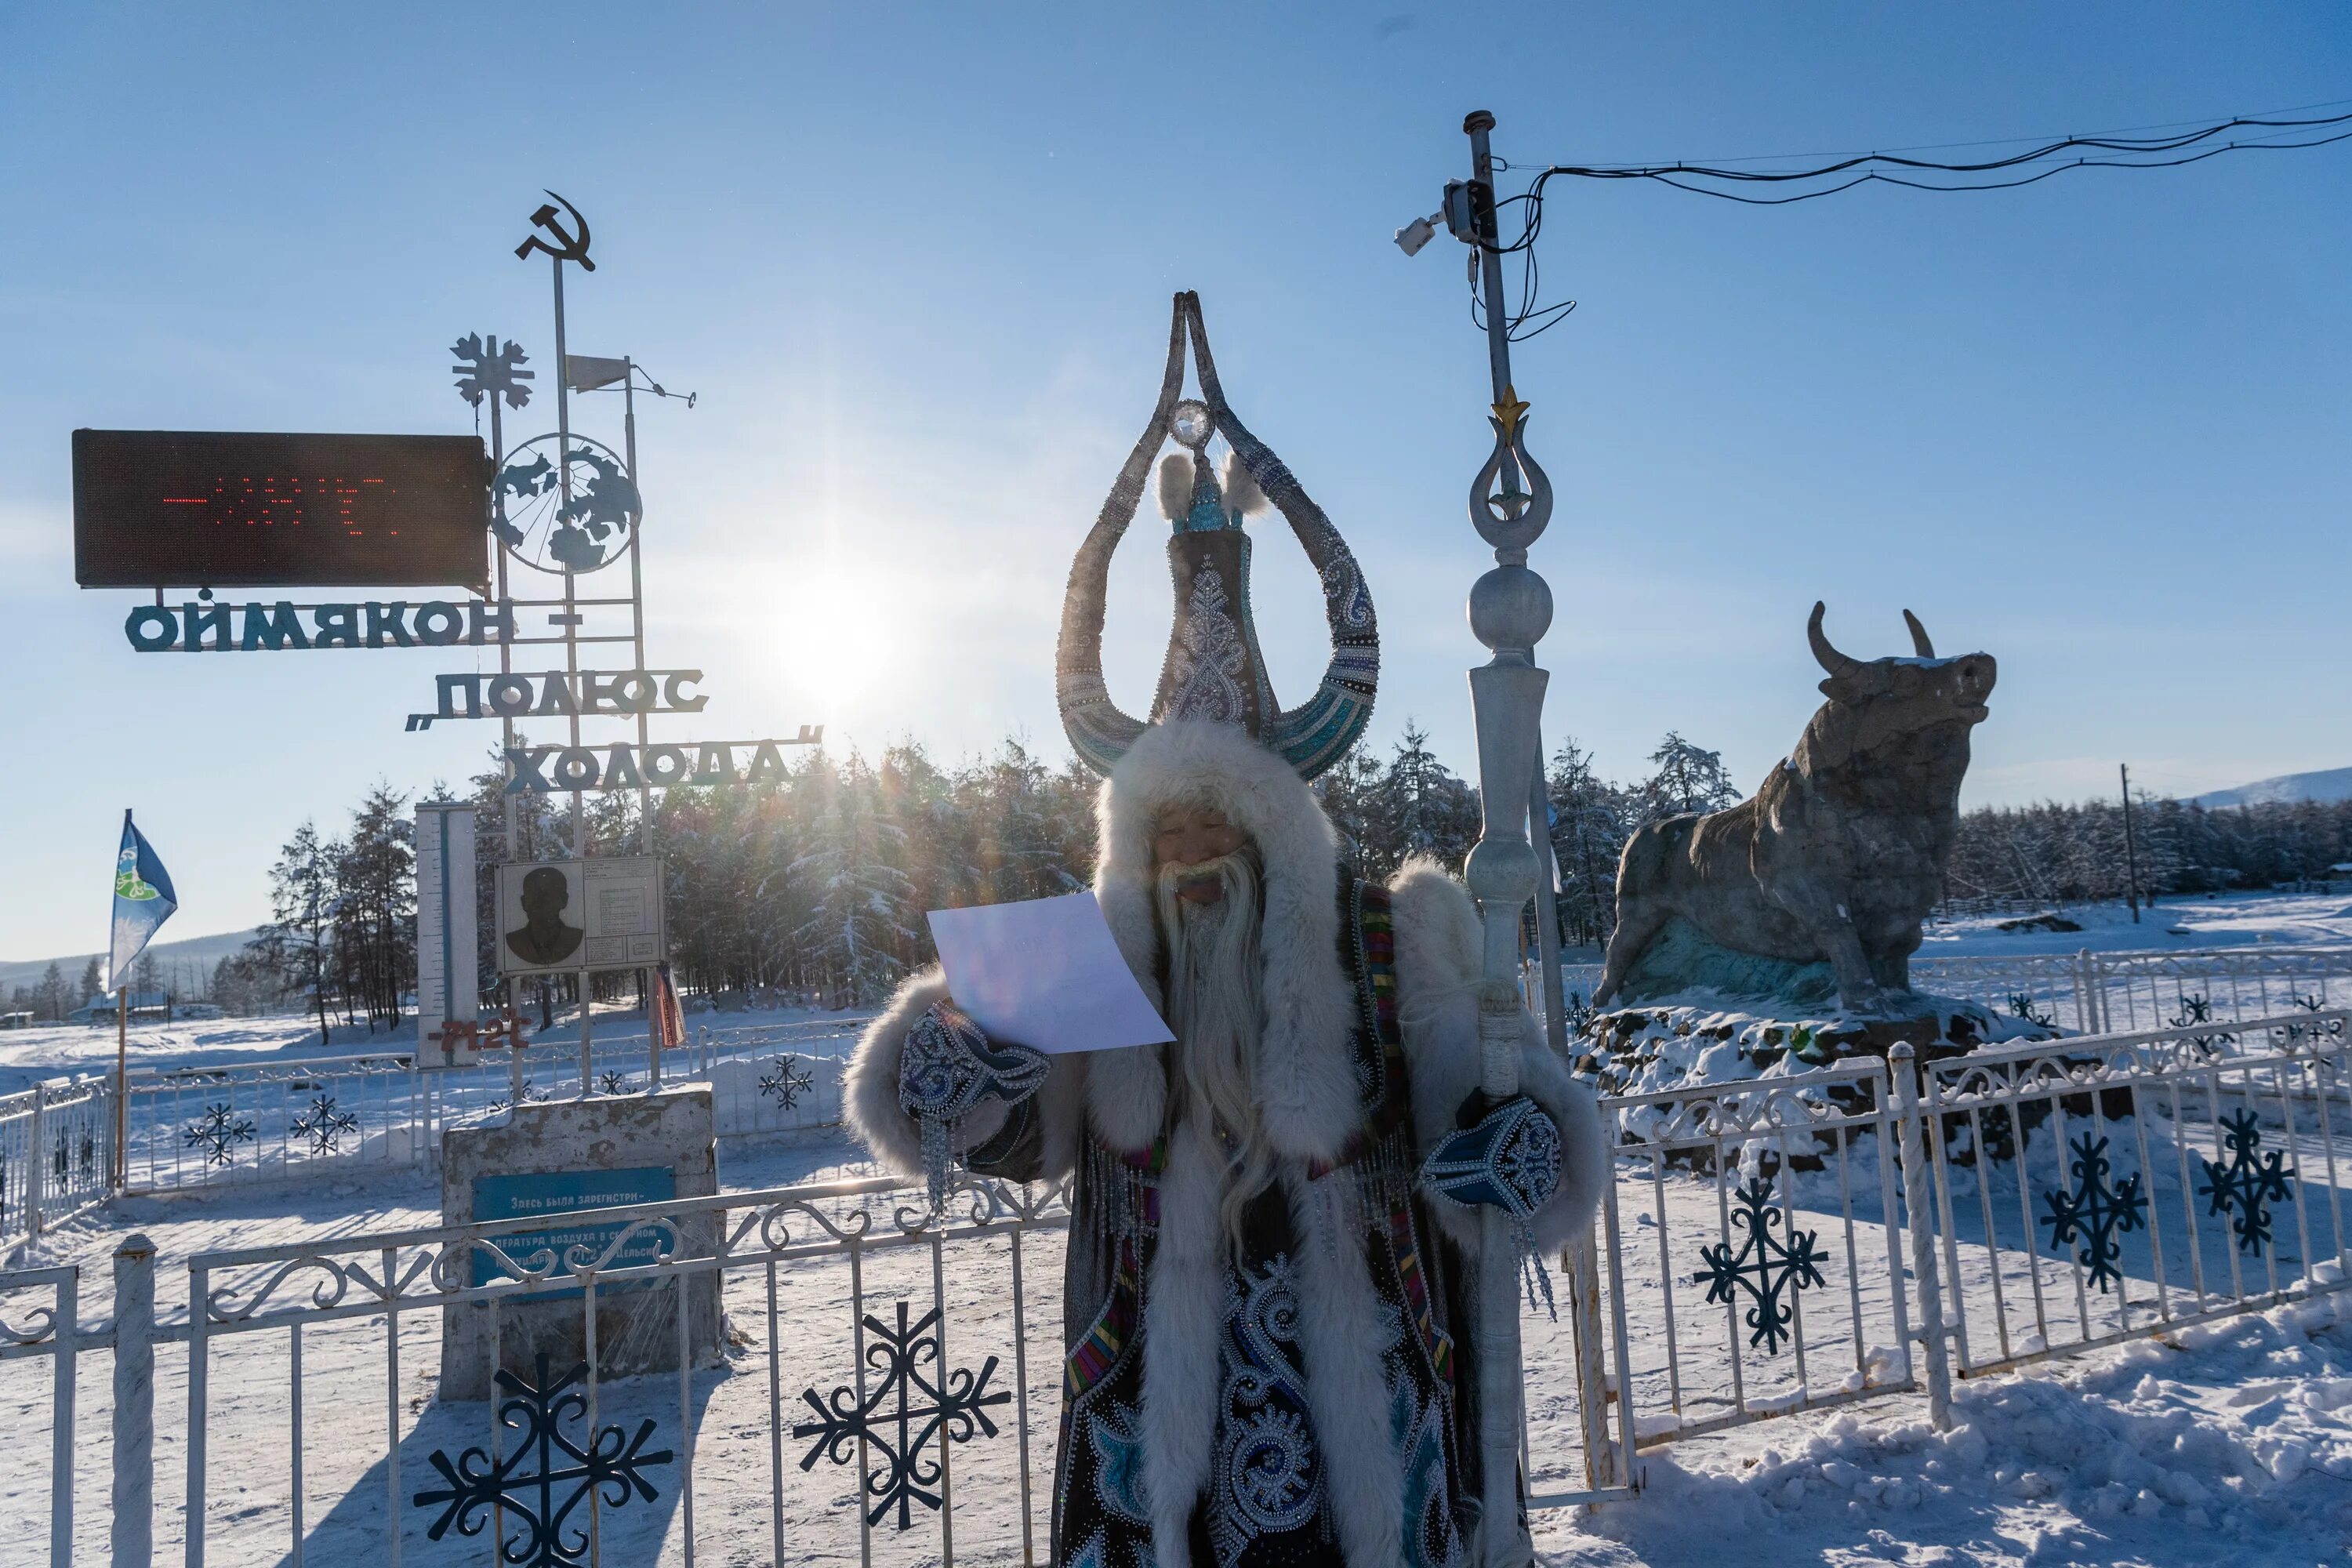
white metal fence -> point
(57, 1152)
(1768, 1248)
(2090, 1190)
(329, 1116)
(2114, 993)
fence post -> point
(67, 1326)
(133, 1531)
(36, 1153)
(1918, 1185)
(1583, 1263)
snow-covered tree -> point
(857, 932)
(1685, 777)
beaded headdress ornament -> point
(1213, 670)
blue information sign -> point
(552, 1193)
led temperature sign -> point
(172, 508)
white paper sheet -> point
(1045, 974)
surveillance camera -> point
(1418, 233)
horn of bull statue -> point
(1824, 654)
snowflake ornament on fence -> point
(529, 1095)
(88, 1153)
(2246, 1184)
(218, 1131)
(2327, 1030)
(1764, 1266)
(958, 1408)
(612, 1082)
(2196, 1010)
(786, 1083)
(2021, 1005)
(2094, 1213)
(532, 1490)
(323, 1123)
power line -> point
(1501, 163)
(2181, 143)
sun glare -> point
(825, 636)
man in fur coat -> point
(1270, 1356)
(1268, 1308)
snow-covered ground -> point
(2233, 919)
(2229, 1442)
(2225, 1443)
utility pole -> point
(1510, 610)
(2131, 851)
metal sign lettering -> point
(437, 623)
(560, 770)
(517, 696)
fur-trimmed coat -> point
(1361, 1246)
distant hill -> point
(206, 950)
(2327, 786)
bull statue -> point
(1837, 856)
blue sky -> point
(917, 260)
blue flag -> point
(143, 900)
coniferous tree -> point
(49, 995)
(1687, 778)
(856, 933)
(298, 944)
(1590, 821)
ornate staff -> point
(1510, 608)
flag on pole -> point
(669, 1018)
(143, 900)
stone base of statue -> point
(1695, 1037)
(553, 1159)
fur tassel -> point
(1242, 492)
(1175, 486)
(1438, 959)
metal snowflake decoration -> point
(88, 1153)
(323, 1124)
(2021, 1005)
(786, 1084)
(1764, 1266)
(62, 1162)
(529, 1094)
(957, 1408)
(612, 1082)
(545, 1478)
(1577, 1014)
(218, 1131)
(2330, 1029)
(2246, 1184)
(493, 372)
(2196, 1010)
(2095, 1213)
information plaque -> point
(560, 917)
(556, 1192)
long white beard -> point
(1213, 964)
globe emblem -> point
(588, 530)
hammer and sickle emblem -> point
(567, 246)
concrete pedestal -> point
(557, 1158)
